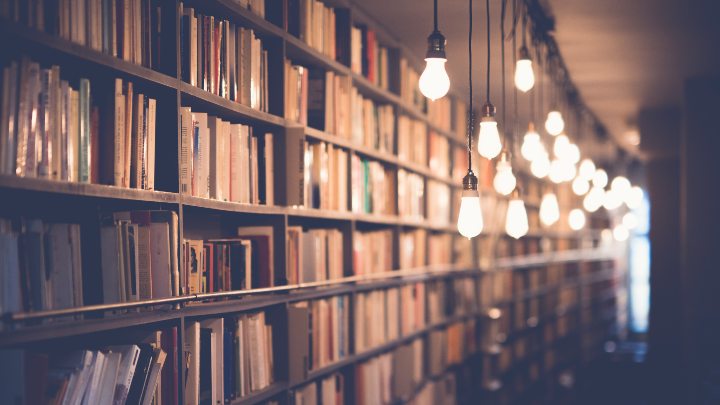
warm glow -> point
(504, 181)
(621, 233)
(531, 146)
(612, 200)
(562, 170)
(630, 220)
(576, 219)
(600, 178)
(549, 209)
(524, 75)
(580, 186)
(489, 145)
(554, 124)
(571, 153)
(634, 197)
(587, 169)
(540, 167)
(470, 220)
(621, 185)
(559, 146)
(594, 199)
(434, 82)
(516, 221)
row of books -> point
(376, 318)
(40, 266)
(315, 24)
(368, 57)
(409, 90)
(224, 59)
(440, 249)
(329, 390)
(126, 29)
(412, 140)
(372, 251)
(373, 124)
(227, 358)
(230, 264)
(439, 152)
(65, 142)
(141, 373)
(139, 256)
(439, 199)
(225, 161)
(413, 248)
(372, 187)
(410, 195)
(325, 174)
(314, 255)
(440, 112)
(321, 334)
(450, 298)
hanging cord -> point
(470, 111)
(515, 91)
(502, 63)
(435, 13)
(487, 84)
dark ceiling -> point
(622, 55)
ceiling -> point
(622, 55)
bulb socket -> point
(470, 181)
(504, 156)
(531, 127)
(436, 45)
(515, 193)
(488, 111)
(524, 53)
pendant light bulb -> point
(612, 199)
(549, 209)
(560, 146)
(580, 186)
(540, 167)
(572, 153)
(524, 75)
(434, 82)
(554, 124)
(489, 145)
(594, 199)
(630, 220)
(576, 219)
(470, 219)
(620, 233)
(516, 220)
(531, 145)
(600, 178)
(504, 181)
(621, 184)
(556, 171)
(634, 197)
(587, 169)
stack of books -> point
(368, 57)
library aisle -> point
(301, 202)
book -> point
(262, 243)
(373, 124)
(372, 252)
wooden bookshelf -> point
(591, 309)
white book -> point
(235, 162)
(92, 392)
(160, 260)
(109, 378)
(215, 126)
(126, 371)
(186, 150)
(153, 378)
(152, 113)
(192, 354)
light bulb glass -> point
(620, 233)
(531, 145)
(516, 220)
(489, 145)
(634, 197)
(587, 169)
(630, 220)
(504, 181)
(612, 199)
(621, 184)
(600, 178)
(580, 186)
(576, 219)
(540, 167)
(554, 123)
(434, 81)
(549, 209)
(594, 199)
(524, 75)
(557, 171)
(572, 153)
(470, 220)
(560, 145)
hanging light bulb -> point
(549, 209)
(434, 82)
(516, 221)
(561, 143)
(580, 186)
(600, 178)
(587, 169)
(634, 197)
(620, 233)
(554, 124)
(489, 144)
(576, 219)
(531, 145)
(621, 184)
(612, 199)
(524, 75)
(504, 181)
(561, 170)
(572, 153)
(540, 167)
(630, 220)
(594, 199)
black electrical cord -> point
(470, 88)
(487, 12)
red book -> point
(371, 45)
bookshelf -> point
(573, 289)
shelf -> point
(84, 189)
(24, 36)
